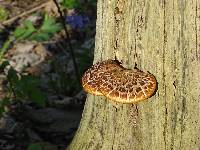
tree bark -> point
(162, 37)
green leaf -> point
(4, 64)
(35, 146)
(29, 86)
(38, 97)
(46, 30)
(26, 34)
(19, 32)
(12, 76)
(5, 46)
(70, 4)
(29, 25)
(25, 31)
(3, 13)
(40, 37)
(5, 101)
(50, 25)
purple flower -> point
(77, 21)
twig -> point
(24, 14)
(68, 41)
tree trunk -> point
(162, 37)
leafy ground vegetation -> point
(45, 46)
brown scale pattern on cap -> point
(117, 83)
(92, 78)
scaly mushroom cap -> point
(119, 84)
(92, 77)
(127, 86)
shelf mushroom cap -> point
(128, 86)
(91, 79)
(117, 83)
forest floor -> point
(41, 99)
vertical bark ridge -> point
(163, 38)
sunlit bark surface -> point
(162, 37)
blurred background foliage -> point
(36, 67)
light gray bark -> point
(162, 37)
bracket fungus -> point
(110, 79)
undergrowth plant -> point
(79, 5)
(3, 14)
(20, 88)
(71, 4)
(43, 33)
(25, 87)
(28, 31)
